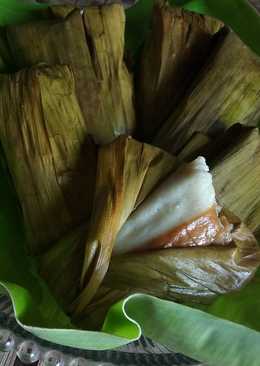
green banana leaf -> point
(15, 11)
(242, 307)
(194, 333)
(226, 332)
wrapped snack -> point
(189, 274)
(178, 214)
(225, 92)
(123, 180)
(92, 44)
(50, 156)
(238, 153)
(178, 46)
(169, 236)
(181, 212)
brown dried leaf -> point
(194, 147)
(226, 92)
(49, 154)
(121, 172)
(191, 275)
(93, 45)
(235, 162)
(178, 46)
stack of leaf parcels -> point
(133, 180)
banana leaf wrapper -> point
(50, 156)
(179, 44)
(186, 275)
(234, 159)
(125, 175)
(95, 40)
(194, 147)
(235, 163)
(61, 266)
(225, 92)
(189, 275)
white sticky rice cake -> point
(181, 212)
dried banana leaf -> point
(225, 142)
(95, 41)
(235, 163)
(194, 147)
(158, 170)
(226, 92)
(254, 220)
(121, 172)
(61, 266)
(178, 46)
(194, 275)
(50, 156)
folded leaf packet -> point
(103, 236)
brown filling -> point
(203, 230)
